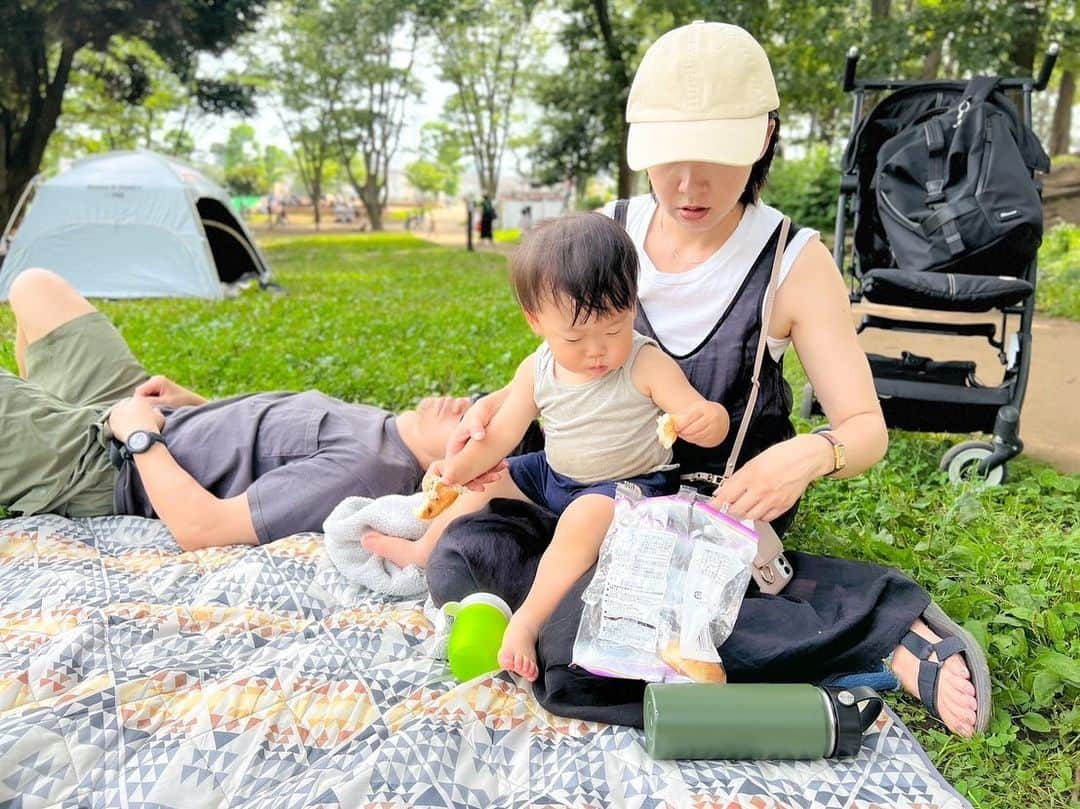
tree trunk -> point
(627, 177)
(23, 149)
(1061, 128)
(369, 195)
(621, 79)
(1025, 39)
(880, 9)
(316, 196)
(932, 61)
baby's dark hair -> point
(585, 258)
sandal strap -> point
(929, 673)
(930, 670)
(947, 647)
(917, 645)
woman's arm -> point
(502, 433)
(473, 425)
(824, 337)
(812, 309)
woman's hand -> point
(473, 425)
(769, 484)
(161, 391)
(443, 470)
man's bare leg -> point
(404, 552)
(42, 301)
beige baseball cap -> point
(703, 92)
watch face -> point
(138, 441)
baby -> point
(598, 387)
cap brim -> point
(728, 141)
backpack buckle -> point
(961, 111)
(935, 191)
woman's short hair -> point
(760, 171)
(586, 259)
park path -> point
(1050, 416)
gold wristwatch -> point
(839, 458)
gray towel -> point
(391, 515)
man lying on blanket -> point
(248, 469)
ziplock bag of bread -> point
(668, 587)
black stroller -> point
(917, 392)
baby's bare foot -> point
(956, 701)
(518, 650)
(401, 552)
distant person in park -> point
(598, 388)
(248, 469)
(704, 124)
(487, 220)
(526, 218)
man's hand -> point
(129, 415)
(160, 391)
(704, 423)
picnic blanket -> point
(132, 674)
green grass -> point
(387, 318)
(1058, 286)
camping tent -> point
(134, 225)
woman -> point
(703, 123)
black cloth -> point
(835, 617)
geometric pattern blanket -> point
(132, 674)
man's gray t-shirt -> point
(297, 455)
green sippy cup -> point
(478, 622)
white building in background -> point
(518, 208)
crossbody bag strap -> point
(770, 296)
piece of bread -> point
(699, 671)
(665, 430)
(438, 498)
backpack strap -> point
(979, 88)
(934, 131)
(620, 212)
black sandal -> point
(954, 640)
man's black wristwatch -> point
(137, 443)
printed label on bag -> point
(711, 568)
(635, 586)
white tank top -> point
(683, 307)
(604, 429)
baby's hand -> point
(704, 423)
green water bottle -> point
(756, 721)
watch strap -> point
(839, 461)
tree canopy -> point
(41, 39)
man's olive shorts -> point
(53, 425)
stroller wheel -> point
(962, 463)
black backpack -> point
(955, 191)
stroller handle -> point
(850, 64)
(1047, 66)
(1038, 84)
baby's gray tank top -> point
(604, 429)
